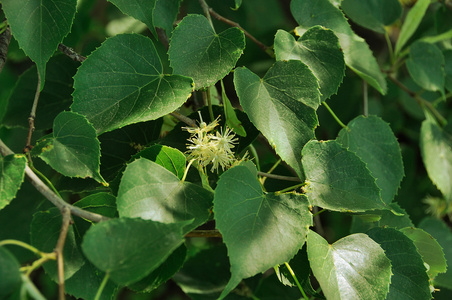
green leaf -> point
(73, 148)
(259, 229)
(357, 54)
(319, 49)
(129, 249)
(12, 171)
(165, 14)
(436, 149)
(122, 83)
(282, 106)
(373, 14)
(354, 267)
(53, 99)
(39, 26)
(142, 10)
(45, 230)
(231, 118)
(443, 235)
(337, 179)
(409, 279)
(197, 51)
(9, 273)
(238, 3)
(431, 252)
(171, 159)
(426, 66)
(448, 68)
(372, 140)
(412, 21)
(151, 192)
(99, 203)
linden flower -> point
(207, 148)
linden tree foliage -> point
(236, 149)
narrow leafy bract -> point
(151, 192)
(73, 148)
(357, 54)
(426, 66)
(409, 279)
(282, 105)
(337, 179)
(197, 51)
(12, 171)
(129, 249)
(374, 142)
(39, 26)
(9, 273)
(142, 10)
(122, 83)
(354, 267)
(260, 230)
(373, 14)
(436, 149)
(319, 49)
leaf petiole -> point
(296, 280)
(334, 115)
(102, 286)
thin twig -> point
(32, 117)
(50, 195)
(5, 39)
(234, 24)
(185, 119)
(71, 53)
(66, 213)
(365, 99)
(204, 233)
(279, 177)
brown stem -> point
(66, 214)
(182, 118)
(31, 118)
(204, 233)
(5, 39)
(71, 53)
(234, 24)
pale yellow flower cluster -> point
(208, 148)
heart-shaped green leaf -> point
(122, 83)
(357, 54)
(12, 171)
(260, 230)
(374, 142)
(409, 279)
(282, 106)
(205, 56)
(337, 179)
(151, 192)
(373, 14)
(436, 149)
(319, 49)
(354, 267)
(73, 148)
(39, 26)
(130, 249)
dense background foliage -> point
(337, 184)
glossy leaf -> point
(357, 54)
(426, 66)
(436, 149)
(53, 99)
(443, 235)
(338, 179)
(12, 171)
(319, 49)
(374, 142)
(142, 10)
(9, 273)
(409, 279)
(411, 23)
(259, 229)
(373, 14)
(431, 252)
(282, 106)
(122, 83)
(129, 249)
(45, 230)
(197, 51)
(73, 148)
(354, 267)
(39, 26)
(151, 192)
